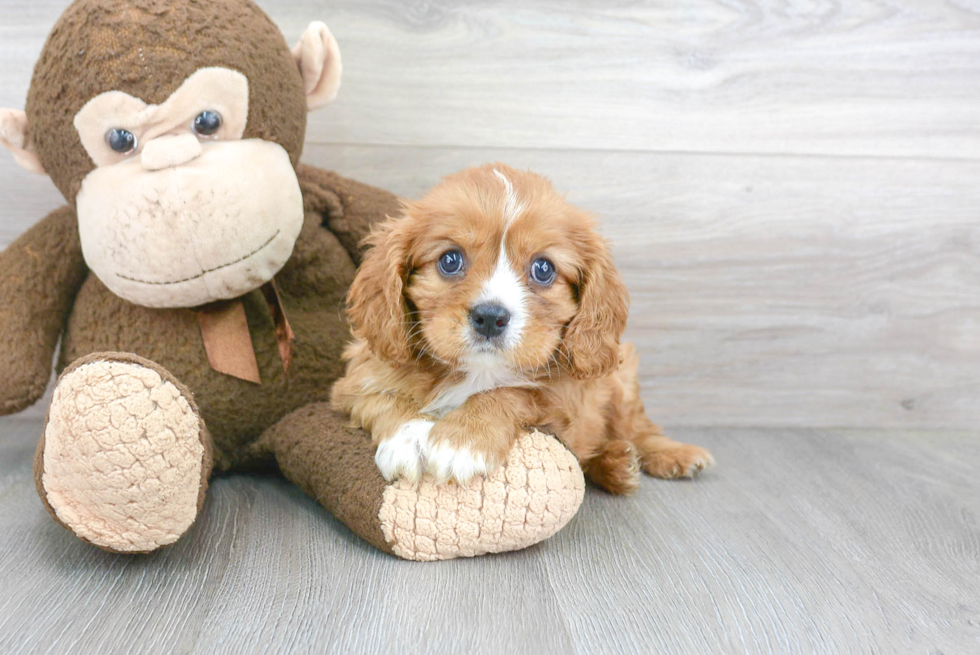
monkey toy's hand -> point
(40, 273)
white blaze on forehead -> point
(486, 368)
(512, 207)
(506, 286)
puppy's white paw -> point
(448, 463)
(403, 454)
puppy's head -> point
(492, 269)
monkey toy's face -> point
(219, 213)
(180, 165)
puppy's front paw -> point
(460, 450)
(458, 463)
(680, 461)
(404, 454)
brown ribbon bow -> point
(228, 342)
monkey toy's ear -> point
(15, 136)
(318, 59)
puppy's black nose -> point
(489, 319)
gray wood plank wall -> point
(792, 188)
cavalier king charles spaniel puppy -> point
(488, 307)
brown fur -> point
(376, 305)
(312, 285)
(147, 48)
(411, 328)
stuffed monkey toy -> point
(196, 281)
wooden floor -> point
(801, 541)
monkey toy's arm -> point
(350, 208)
(40, 273)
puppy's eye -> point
(451, 263)
(120, 140)
(206, 123)
(543, 272)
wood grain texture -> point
(791, 191)
(801, 541)
(864, 77)
(790, 187)
(800, 291)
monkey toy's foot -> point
(124, 459)
(523, 502)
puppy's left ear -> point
(592, 336)
(376, 302)
(318, 59)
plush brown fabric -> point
(350, 208)
(333, 464)
(147, 48)
(313, 284)
(39, 275)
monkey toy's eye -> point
(121, 141)
(543, 272)
(206, 123)
(451, 263)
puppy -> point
(491, 306)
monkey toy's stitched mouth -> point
(226, 228)
(206, 271)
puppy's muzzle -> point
(489, 319)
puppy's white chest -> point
(478, 379)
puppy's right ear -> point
(15, 136)
(592, 337)
(376, 300)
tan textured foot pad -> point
(520, 504)
(122, 456)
